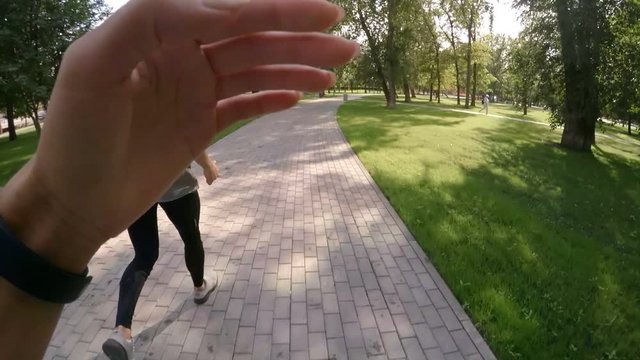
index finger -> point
(141, 27)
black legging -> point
(184, 213)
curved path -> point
(314, 263)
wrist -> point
(43, 226)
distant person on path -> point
(181, 203)
(485, 104)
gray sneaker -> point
(201, 295)
(117, 347)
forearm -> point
(38, 220)
(28, 322)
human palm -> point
(131, 109)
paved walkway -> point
(314, 263)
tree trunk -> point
(475, 84)
(391, 100)
(438, 74)
(455, 55)
(33, 105)
(413, 92)
(475, 65)
(10, 122)
(391, 52)
(579, 58)
(36, 123)
(576, 135)
(436, 48)
(376, 56)
(629, 126)
(431, 92)
(468, 86)
(406, 90)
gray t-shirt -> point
(183, 185)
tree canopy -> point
(577, 59)
(33, 37)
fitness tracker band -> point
(34, 274)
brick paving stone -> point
(434, 354)
(403, 325)
(373, 342)
(318, 346)
(192, 341)
(412, 349)
(245, 340)
(365, 317)
(394, 304)
(262, 347)
(315, 319)
(353, 335)
(279, 352)
(357, 353)
(300, 355)
(337, 349)
(330, 303)
(433, 318)
(299, 338)
(264, 323)
(393, 346)
(298, 313)
(348, 311)
(281, 331)
(282, 308)
(425, 336)
(384, 320)
(464, 343)
(333, 326)
(444, 339)
(234, 310)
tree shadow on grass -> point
(539, 243)
(381, 123)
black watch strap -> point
(35, 275)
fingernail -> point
(332, 77)
(341, 13)
(358, 49)
(225, 5)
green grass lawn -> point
(619, 131)
(533, 114)
(540, 245)
(230, 129)
(13, 155)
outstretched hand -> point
(142, 95)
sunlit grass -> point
(533, 114)
(541, 245)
